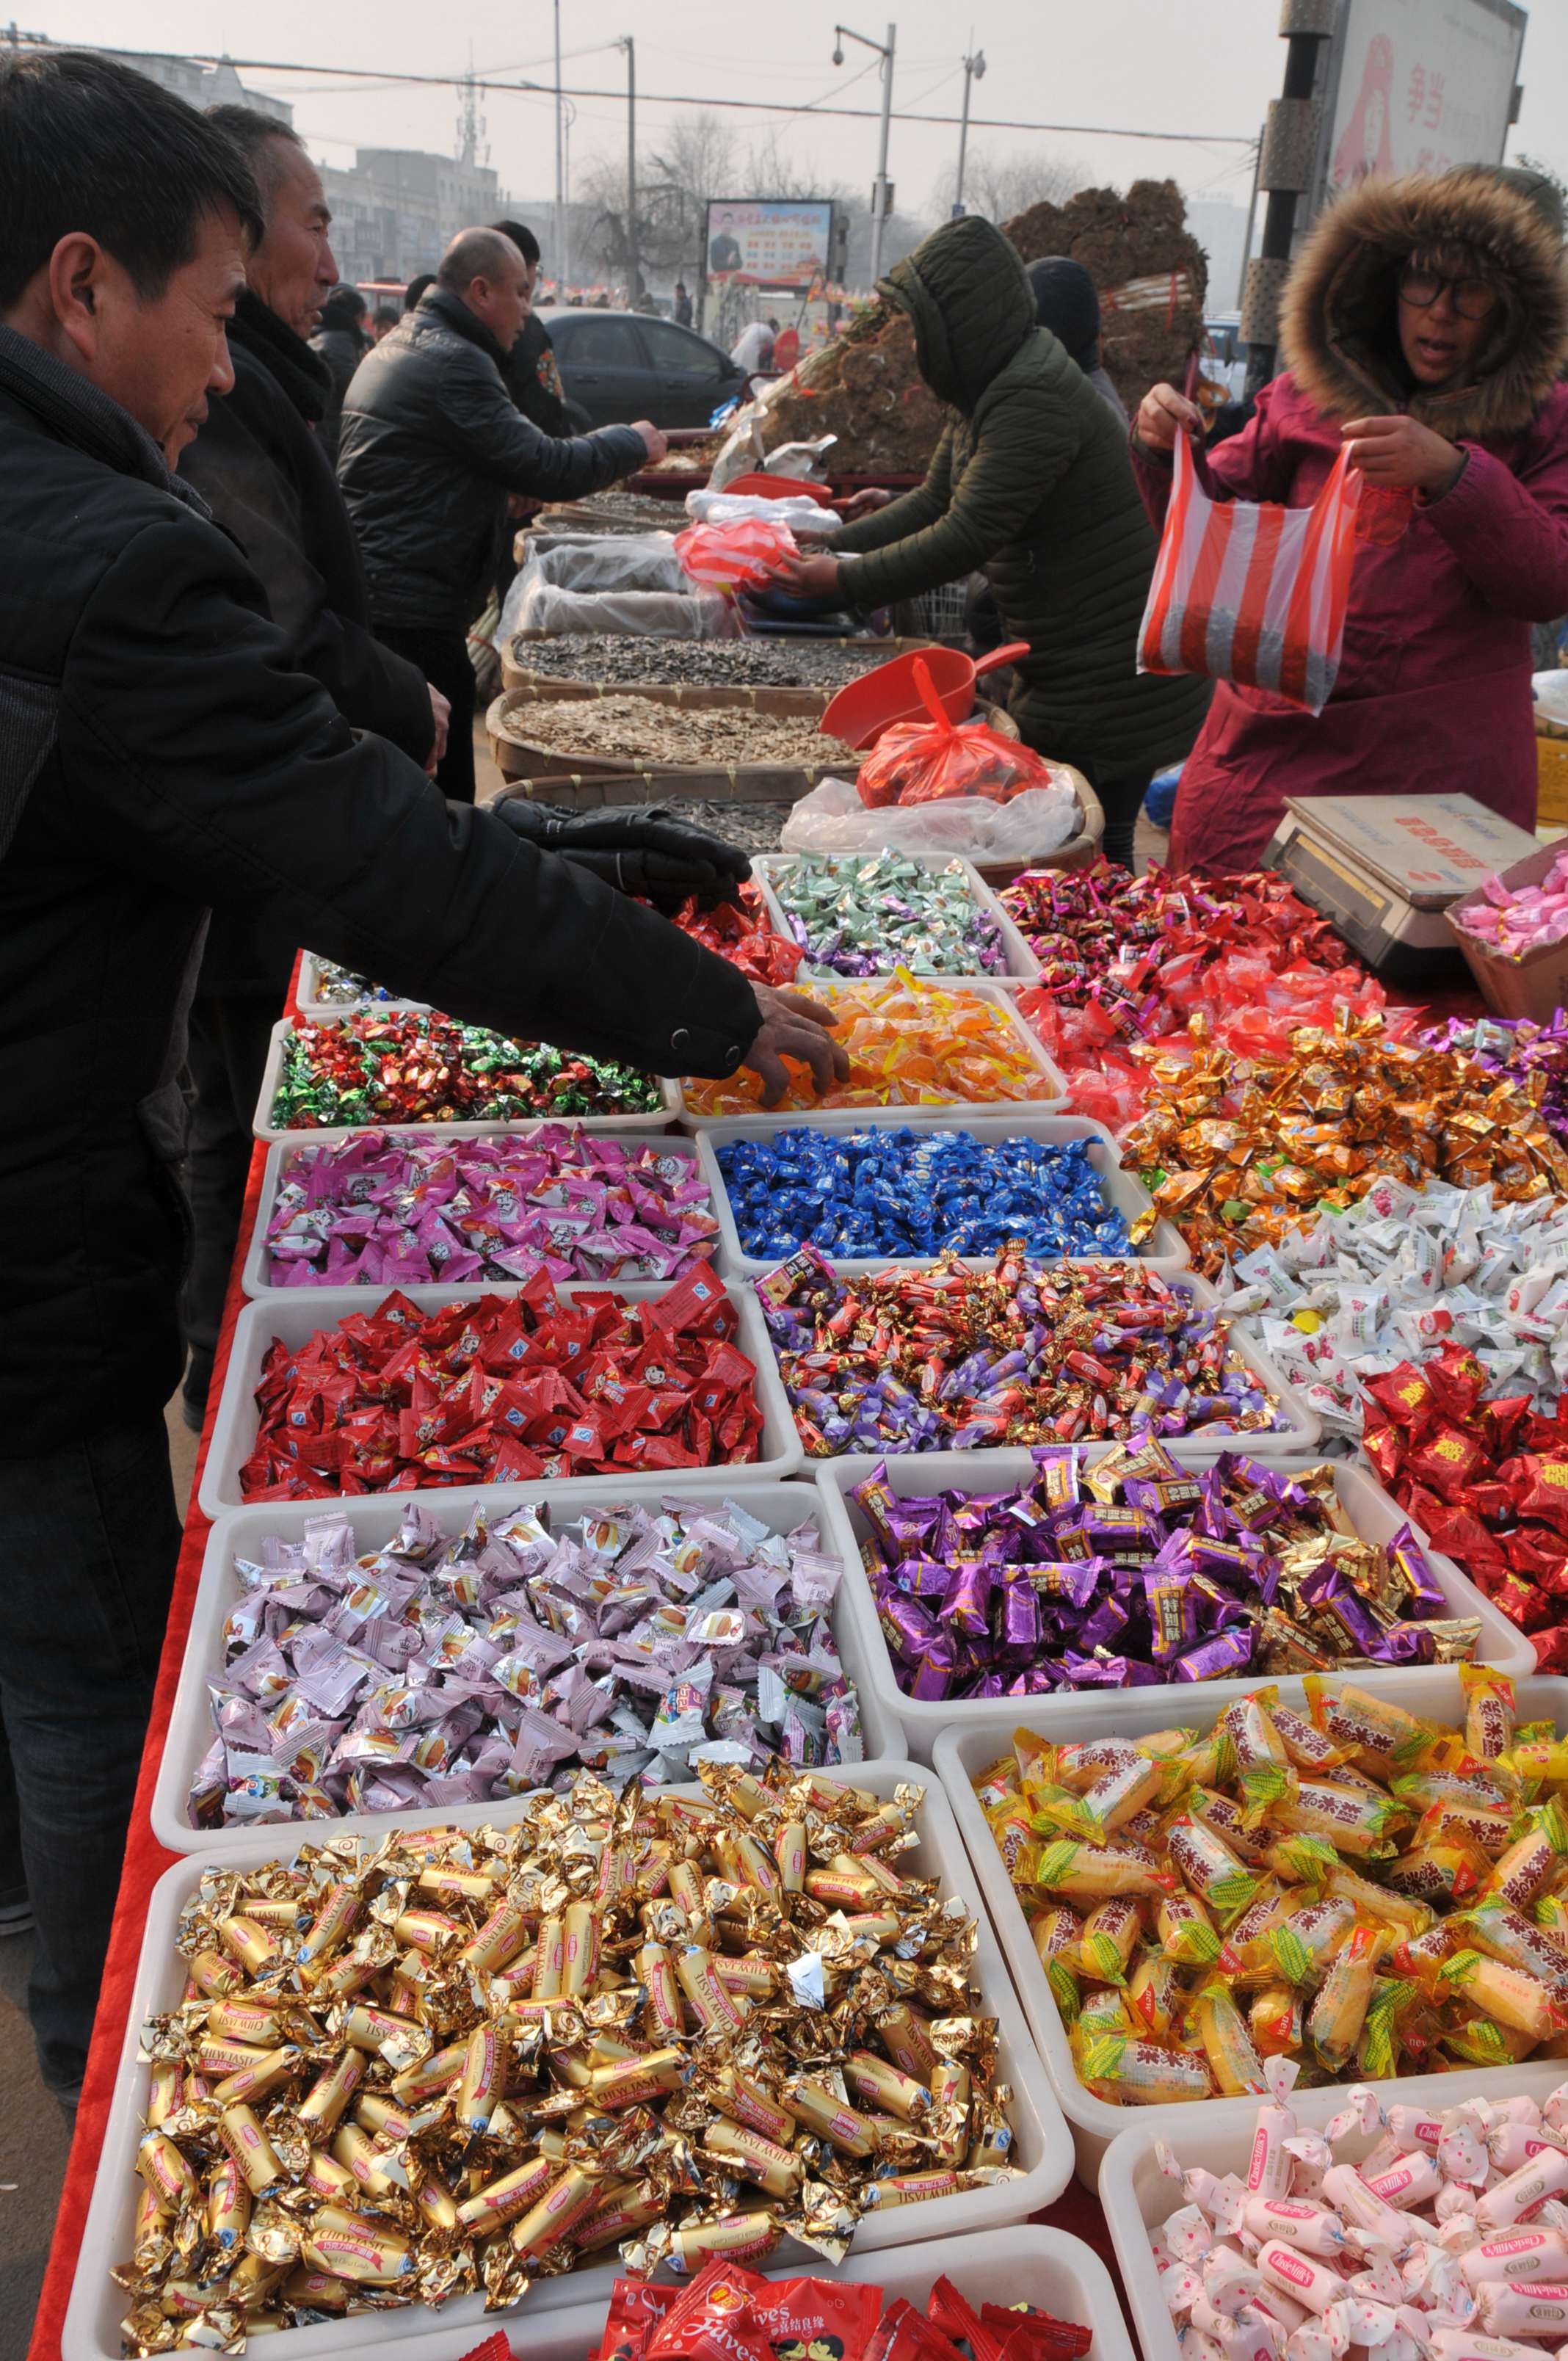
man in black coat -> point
(431, 447)
(341, 342)
(160, 751)
(261, 469)
(529, 371)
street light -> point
(881, 192)
(974, 68)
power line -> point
(682, 98)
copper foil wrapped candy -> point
(1128, 1571)
(1517, 1050)
(1236, 1156)
(469, 1663)
(452, 2061)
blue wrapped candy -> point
(907, 1192)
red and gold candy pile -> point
(1487, 1481)
(497, 1390)
(911, 1043)
(681, 2028)
(743, 934)
(729, 2313)
(1369, 1891)
(1235, 1155)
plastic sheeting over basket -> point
(1057, 827)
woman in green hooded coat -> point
(1031, 484)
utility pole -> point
(881, 192)
(974, 69)
(1285, 169)
(560, 240)
(1250, 218)
(629, 46)
(570, 113)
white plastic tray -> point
(1020, 966)
(265, 1128)
(312, 1005)
(1041, 2144)
(1053, 1098)
(295, 1313)
(254, 1276)
(376, 1518)
(1374, 1513)
(1122, 1189)
(1432, 1689)
(1137, 2197)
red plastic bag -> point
(734, 557)
(926, 761)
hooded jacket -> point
(1030, 484)
(160, 753)
(1433, 686)
(431, 445)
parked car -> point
(616, 366)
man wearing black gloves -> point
(431, 447)
(161, 752)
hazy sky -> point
(1207, 66)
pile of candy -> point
(742, 933)
(390, 1067)
(465, 1666)
(1236, 1156)
(1444, 2240)
(345, 987)
(504, 1390)
(911, 1043)
(1129, 1571)
(1487, 1480)
(1366, 1889)
(853, 1194)
(381, 1210)
(450, 2061)
(729, 2313)
(1515, 919)
(1402, 1270)
(955, 1359)
(1136, 965)
(1533, 1057)
(866, 914)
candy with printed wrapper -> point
(380, 1067)
(502, 1389)
(399, 1210)
(1022, 1353)
(474, 1658)
(1360, 1888)
(445, 2063)
(911, 1043)
(866, 914)
(1128, 1571)
(1532, 1056)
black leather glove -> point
(640, 849)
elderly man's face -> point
(292, 270)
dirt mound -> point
(1151, 272)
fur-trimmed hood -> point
(1338, 326)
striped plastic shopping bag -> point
(1249, 591)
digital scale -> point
(1384, 869)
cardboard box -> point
(1535, 985)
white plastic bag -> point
(1038, 822)
(544, 611)
(729, 508)
(608, 561)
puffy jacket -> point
(1433, 688)
(431, 447)
(1030, 484)
(160, 753)
(264, 475)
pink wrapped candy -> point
(1514, 919)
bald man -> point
(431, 447)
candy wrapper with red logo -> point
(1354, 1890)
(1487, 1480)
(401, 1210)
(674, 2028)
(470, 1662)
(391, 1066)
(494, 1389)
(733, 2314)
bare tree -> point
(1001, 186)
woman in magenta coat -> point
(1425, 322)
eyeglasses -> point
(1473, 299)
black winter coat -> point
(341, 350)
(532, 378)
(432, 444)
(262, 472)
(160, 752)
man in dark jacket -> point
(261, 469)
(529, 371)
(432, 446)
(160, 752)
(341, 342)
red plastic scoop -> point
(860, 713)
